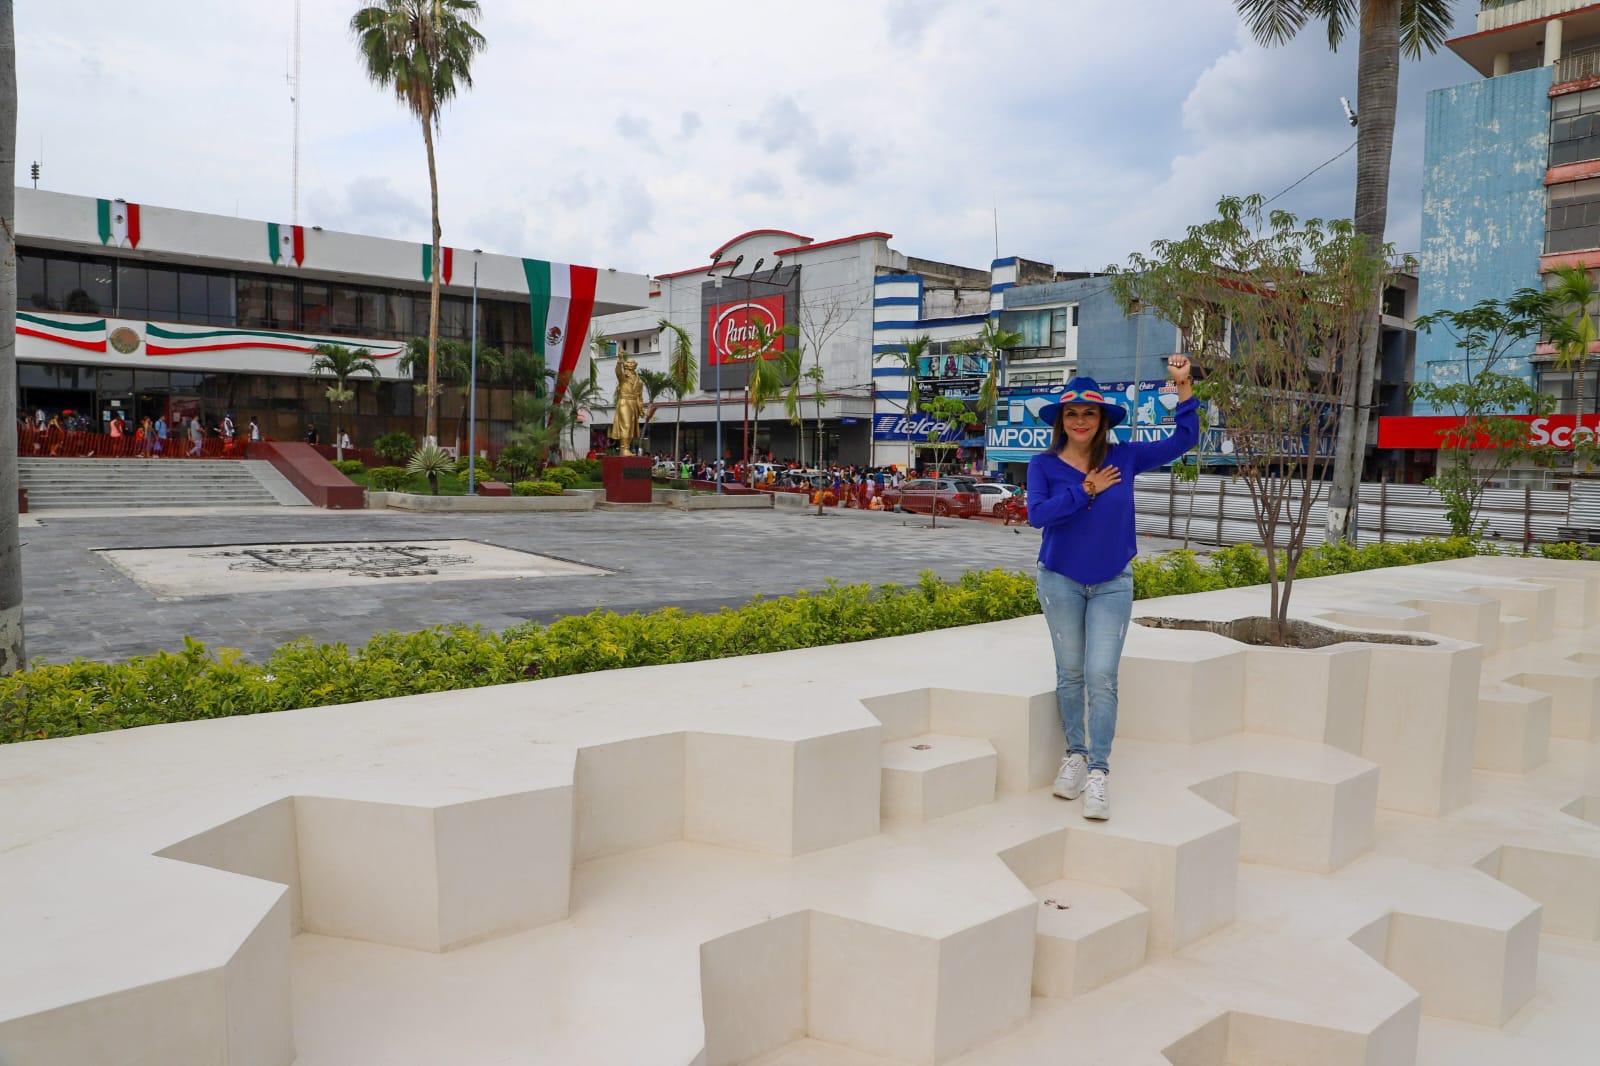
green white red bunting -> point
(161, 340)
(446, 253)
(87, 334)
(560, 301)
(117, 222)
(287, 243)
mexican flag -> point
(446, 253)
(118, 222)
(560, 299)
(287, 243)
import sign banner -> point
(732, 326)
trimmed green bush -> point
(395, 447)
(588, 469)
(89, 697)
(348, 466)
(388, 478)
(564, 476)
(483, 469)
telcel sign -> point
(733, 325)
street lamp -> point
(472, 388)
(712, 343)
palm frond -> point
(1274, 22)
(1424, 26)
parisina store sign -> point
(734, 326)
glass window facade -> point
(48, 280)
(1573, 218)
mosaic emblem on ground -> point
(208, 570)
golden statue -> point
(629, 400)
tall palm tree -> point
(342, 364)
(1387, 28)
(992, 343)
(422, 50)
(11, 644)
(1573, 299)
(909, 356)
(681, 367)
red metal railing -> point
(73, 444)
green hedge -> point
(88, 697)
(536, 488)
(348, 466)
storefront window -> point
(163, 303)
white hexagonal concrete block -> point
(1421, 724)
(1087, 936)
(933, 775)
(1513, 733)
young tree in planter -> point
(1296, 293)
(944, 409)
(1476, 390)
(792, 401)
(767, 376)
(342, 364)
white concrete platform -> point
(1367, 854)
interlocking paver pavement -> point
(78, 604)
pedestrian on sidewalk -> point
(1078, 496)
(197, 436)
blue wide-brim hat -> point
(1083, 390)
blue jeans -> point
(1088, 624)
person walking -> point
(255, 430)
(147, 437)
(161, 433)
(1080, 493)
(197, 436)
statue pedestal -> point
(626, 478)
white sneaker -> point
(1095, 803)
(1069, 779)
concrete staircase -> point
(117, 484)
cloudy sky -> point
(640, 135)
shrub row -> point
(87, 697)
(536, 488)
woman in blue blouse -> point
(1080, 492)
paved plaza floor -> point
(80, 602)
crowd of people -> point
(848, 485)
(69, 432)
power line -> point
(1313, 170)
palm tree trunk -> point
(1378, 83)
(12, 658)
(433, 285)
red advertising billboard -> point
(730, 326)
(1428, 432)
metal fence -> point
(1578, 66)
(1217, 510)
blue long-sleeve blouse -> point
(1092, 541)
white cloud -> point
(639, 135)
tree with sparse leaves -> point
(1297, 293)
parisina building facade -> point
(133, 309)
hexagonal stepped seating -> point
(1513, 733)
(932, 775)
(1087, 936)
(1239, 1038)
(1575, 696)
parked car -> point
(935, 495)
(993, 493)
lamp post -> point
(711, 343)
(472, 387)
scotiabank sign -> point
(732, 326)
(1444, 431)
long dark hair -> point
(1099, 445)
